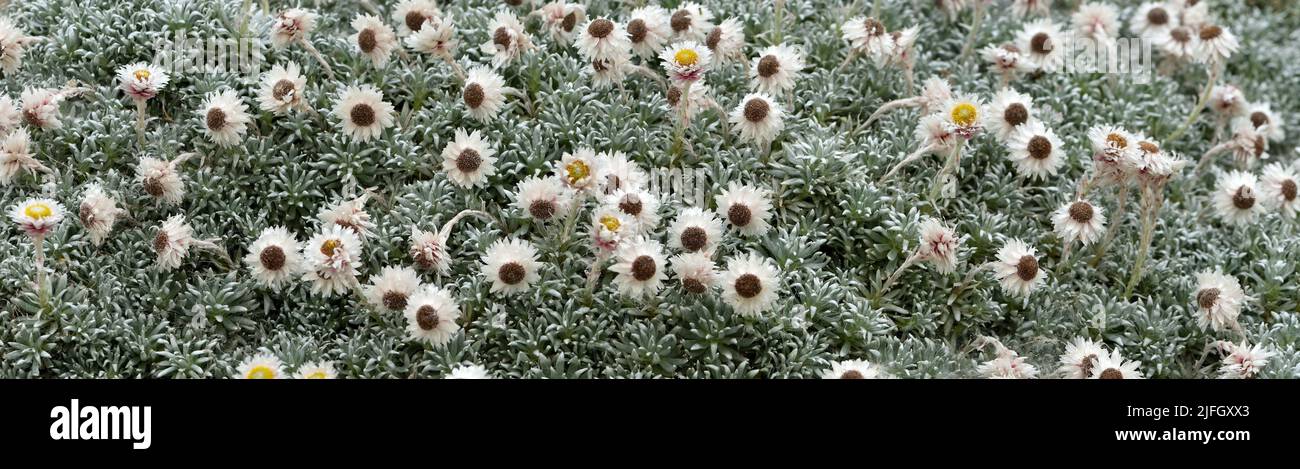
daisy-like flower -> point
(429, 251)
(1115, 154)
(1036, 150)
(511, 265)
(509, 39)
(437, 38)
(173, 241)
(160, 179)
(606, 73)
(691, 22)
(1194, 13)
(10, 116)
(935, 92)
(1114, 366)
(1008, 111)
(1157, 166)
(1024, 8)
(1228, 100)
(640, 205)
(580, 170)
(614, 172)
(775, 69)
(750, 284)
(1152, 19)
(1080, 358)
(373, 38)
(142, 81)
(852, 369)
(484, 93)
(1180, 42)
(686, 62)
(746, 207)
(363, 112)
(648, 29)
(16, 156)
(697, 99)
(1236, 199)
(1080, 221)
(40, 107)
(98, 213)
(275, 258)
(904, 54)
(1044, 42)
(542, 198)
(868, 36)
(37, 217)
(1007, 364)
(758, 118)
(695, 230)
(431, 316)
(1017, 268)
(603, 39)
(225, 117)
(1267, 122)
(469, 372)
(261, 366)
(1008, 60)
(1097, 21)
(1248, 144)
(292, 25)
(939, 245)
(390, 290)
(332, 257)
(282, 89)
(350, 214)
(1219, 299)
(13, 44)
(561, 19)
(316, 370)
(1278, 189)
(696, 272)
(639, 264)
(964, 114)
(609, 227)
(410, 15)
(1216, 44)
(468, 160)
(1244, 361)
(727, 41)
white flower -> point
(746, 207)
(437, 37)
(37, 217)
(1278, 188)
(904, 55)
(40, 107)
(935, 92)
(639, 264)
(542, 198)
(16, 156)
(697, 100)
(316, 370)
(392, 288)
(691, 21)
(484, 93)
(1023, 8)
(852, 369)
(13, 43)
(468, 160)
(98, 213)
(1236, 198)
(160, 179)
(614, 172)
(1007, 365)
(1008, 111)
(1267, 122)
(373, 38)
(1113, 366)
(292, 25)
(1192, 13)
(1097, 21)
(640, 205)
(431, 316)
(869, 37)
(509, 39)
(468, 372)
(1219, 299)
(934, 135)
(603, 39)
(275, 258)
(141, 81)
(939, 245)
(1044, 42)
(1017, 268)
(686, 62)
(1216, 44)
(282, 89)
(1244, 362)
(1008, 59)
(261, 366)
(695, 271)
(1248, 144)
(1152, 19)
(10, 116)
(695, 230)
(411, 15)
(429, 251)
(758, 119)
(609, 227)
(1080, 358)
(511, 265)
(1228, 101)
(1079, 221)
(1156, 166)
(351, 215)
(332, 258)
(1179, 42)
(1115, 156)
(750, 284)
(363, 112)
(1036, 150)
(225, 117)
(727, 41)
(173, 242)
(964, 115)
(561, 19)
(648, 30)
(606, 73)
(579, 170)
(776, 68)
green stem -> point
(1148, 232)
(949, 166)
(41, 289)
(974, 31)
(1116, 219)
(1200, 105)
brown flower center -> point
(272, 258)
(748, 286)
(1039, 147)
(600, 28)
(1015, 114)
(1210, 32)
(630, 204)
(1117, 140)
(362, 115)
(468, 161)
(1261, 145)
(674, 96)
(86, 213)
(1027, 268)
(473, 95)
(768, 66)
(1207, 298)
(153, 186)
(852, 374)
(1258, 119)
(426, 317)
(1289, 190)
(366, 40)
(1244, 198)
(1157, 16)
(414, 20)
(542, 209)
(681, 20)
(501, 38)
(281, 89)
(329, 246)
(636, 30)
(161, 241)
(643, 268)
(694, 238)
(1180, 34)
(1041, 44)
(1087, 364)
(873, 27)
(694, 285)
(740, 215)
(395, 300)
(756, 110)
(216, 119)
(511, 273)
(570, 20)
(1081, 212)
(713, 39)
(1111, 373)
(1148, 147)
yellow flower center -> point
(610, 223)
(577, 171)
(141, 75)
(1117, 140)
(38, 211)
(261, 372)
(315, 375)
(686, 57)
(327, 248)
(965, 114)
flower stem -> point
(954, 159)
(1148, 231)
(1200, 105)
(974, 30)
(1116, 219)
(41, 290)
